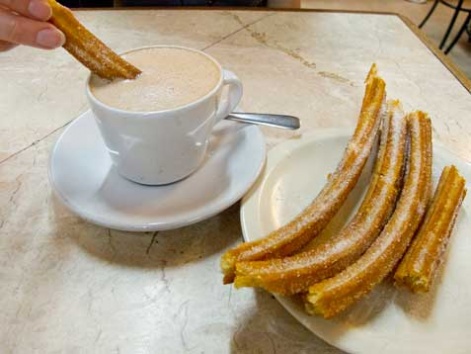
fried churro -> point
(87, 48)
(333, 295)
(419, 266)
(294, 274)
(308, 224)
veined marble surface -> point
(71, 287)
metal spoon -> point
(272, 120)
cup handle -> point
(234, 95)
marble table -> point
(68, 286)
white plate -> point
(388, 320)
(83, 177)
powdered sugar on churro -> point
(312, 220)
(333, 295)
(294, 274)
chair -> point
(465, 27)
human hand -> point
(24, 22)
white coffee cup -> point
(165, 146)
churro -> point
(308, 224)
(333, 295)
(87, 48)
(294, 274)
(419, 266)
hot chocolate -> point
(171, 77)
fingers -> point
(35, 9)
(21, 30)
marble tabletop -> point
(68, 286)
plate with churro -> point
(363, 236)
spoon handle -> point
(273, 120)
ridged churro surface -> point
(87, 48)
(332, 296)
(294, 274)
(419, 266)
(310, 222)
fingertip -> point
(62, 38)
(50, 38)
(40, 10)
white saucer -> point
(388, 321)
(82, 175)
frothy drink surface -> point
(171, 77)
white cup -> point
(165, 146)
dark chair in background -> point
(465, 27)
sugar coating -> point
(298, 232)
(333, 295)
(420, 264)
(314, 218)
(170, 78)
(294, 274)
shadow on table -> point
(150, 249)
(269, 328)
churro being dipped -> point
(312, 220)
(294, 274)
(87, 48)
(333, 295)
(419, 266)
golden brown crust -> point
(333, 295)
(294, 235)
(295, 274)
(87, 48)
(419, 266)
